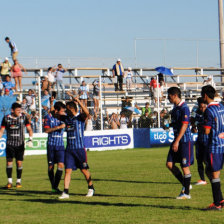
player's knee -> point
(169, 165)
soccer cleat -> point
(222, 203)
(183, 196)
(214, 207)
(8, 186)
(64, 196)
(18, 185)
(201, 182)
(56, 191)
(90, 193)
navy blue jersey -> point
(199, 122)
(55, 138)
(181, 115)
(214, 120)
(75, 131)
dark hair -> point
(58, 105)
(209, 91)
(49, 69)
(59, 64)
(147, 103)
(7, 38)
(174, 91)
(16, 105)
(200, 100)
(72, 104)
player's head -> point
(7, 39)
(174, 93)
(208, 93)
(201, 104)
(59, 108)
(71, 108)
(16, 109)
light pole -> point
(221, 38)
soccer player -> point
(214, 127)
(14, 124)
(75, 154)
(181, 149)
(55, 145)
(197, 121)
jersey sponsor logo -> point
(107, 140)
(184, 161)
(70, 128)
(14, 126)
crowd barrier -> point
(106, 140)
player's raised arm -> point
(76, 99)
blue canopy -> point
(164, 70)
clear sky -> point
(107, 29)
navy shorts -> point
(55, 155)
(184, 155)
(215, 161)
(76, 158)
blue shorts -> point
(215, 161)
(184, 155)
(76, 158)
(55, 156)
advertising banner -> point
(161, 137)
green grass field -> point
(132, 186)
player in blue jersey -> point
(181, 149)
(214, 127)
(55, 145)
(75, 154)
(197, 121)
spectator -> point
(123, 121)
(114, 121)
(209, 81)
(13, 48)
(51, 78)
(89, 123)
(35, 123)
(45, 83)
(143, 109)
(156, 91)
(118, 71)
(126, 102)
(152, 84)
(9, 85)
(24, 106)
(164, 119)
(31, 100)
(96, 96)
(45, 100)
(5, 68)
(145, 121)
(83, 93)
(16, 71)
(160, 77)
(59, 80)
(7, 92)
(129, 79)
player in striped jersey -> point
(214, 127)
(15, 124)
(181, 149)
(55, 145)
(75, 154)
(197, 121)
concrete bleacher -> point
(111, 100)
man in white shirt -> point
(12, 46)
